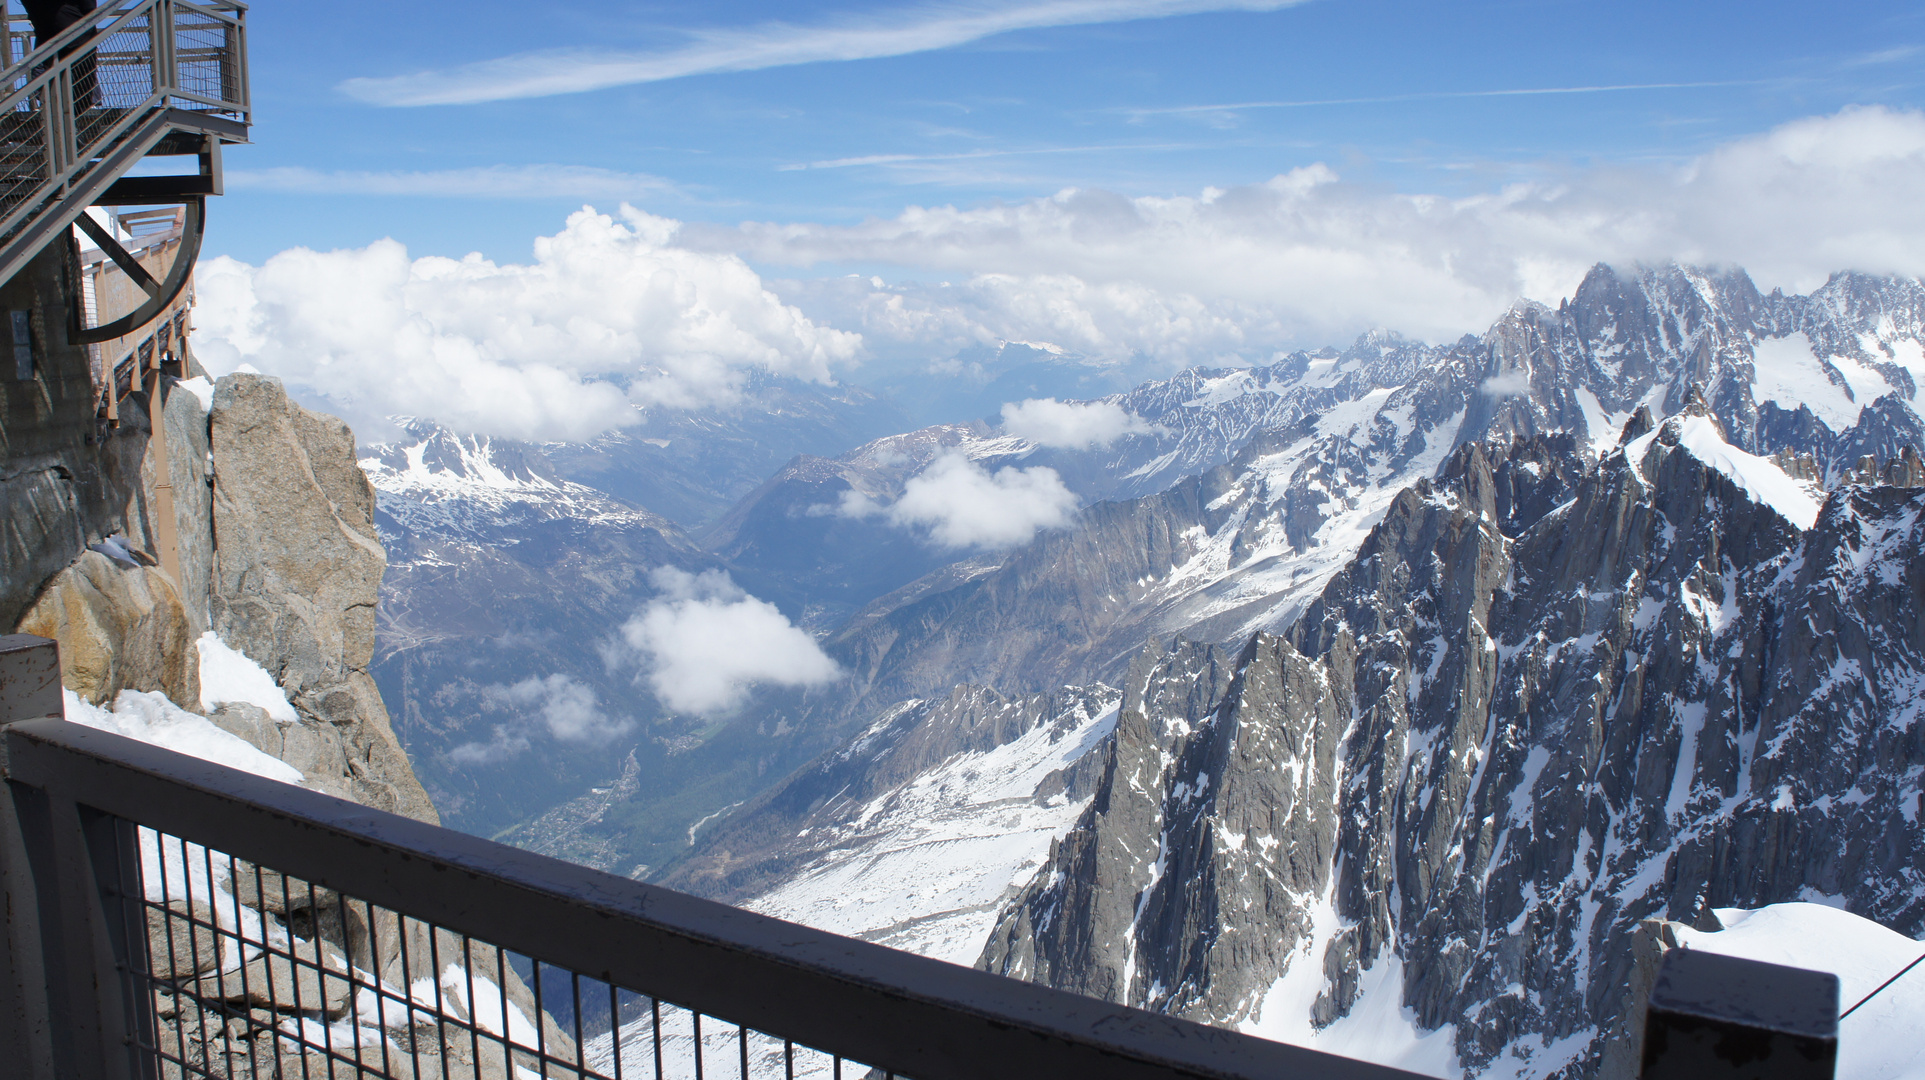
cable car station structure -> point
(93, 294)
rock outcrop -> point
(120, 628)
(297, 574)
(278, 556)
(1497, 745)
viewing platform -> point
(129, 81)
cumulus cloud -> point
(506, 741)
(556, 705)
(1310, 258)
(610, 314)
(1072, 425)
(703, 645)
(961, 505)
(632, 309)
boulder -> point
(119, 628)
(176, 946)
(288, 978)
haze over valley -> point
(1355, 524)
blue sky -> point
(836, 192)
(1424, 91)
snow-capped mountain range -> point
(1439, 669)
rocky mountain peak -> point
(1489, 748)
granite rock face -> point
(119, 628)
(297, 574)
(1499, 742)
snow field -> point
(928, 867)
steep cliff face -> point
(297, 576)
(1494, 745)
(280, 567)
(278, 558)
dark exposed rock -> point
(1494, 753)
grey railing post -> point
(1718, 1017)
(166, 66)
(29, 690)
(66, 867)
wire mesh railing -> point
(195, 921)
(250, 972)
(80, 107)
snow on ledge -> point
(150, 718)
(227, 674)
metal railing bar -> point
(851, 998)
(440, 1009)
(137, 964)
(407, 987)
(473, 1003)
(240, 950)
(507, 1027)
(615, 1026)
(655, 1006)
(321, 975)
(47, 51)
(173, 959)
(294, 970)
(575, 979)
(24, 243)
(695, 1021)
(212, 11)
(380, 992)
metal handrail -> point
(894, 1011)
(63, 147)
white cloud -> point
(1308, 258)
(541, 350)
(963, 506)
(1431, 95)
(560, 706)
(489, 182)
(615, 311)
(704, 644)
(571, 711)
(506, 741)
(777, 44)
(1072, 425)
(1507, 384)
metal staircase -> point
(130, 80)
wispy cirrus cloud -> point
(971, 155)
(1434, 95)
(865, 37)
(485, 182)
